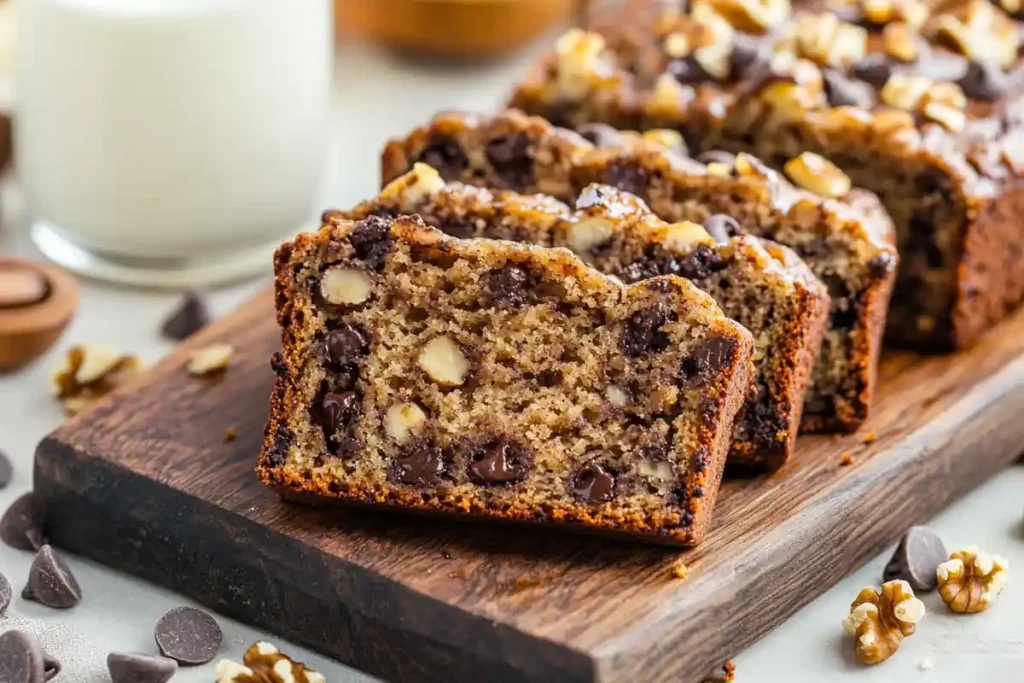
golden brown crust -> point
(297, 460)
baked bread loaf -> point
(489, 378)
(760, 284)
(845, 237)
(919, 102)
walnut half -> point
(882, 619)
(971, 579)
(263, 663)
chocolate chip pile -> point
(501, 379)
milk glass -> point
(171, 142)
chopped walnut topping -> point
(941, 101)
(579, 62)
(883, 12)
(882, 619)
(971, 579)
(826, 41)
(263, 663)
(679, 570)
(751, 16)
(980, 32)
(667, 138)
(900, 42)
(90, 372)
(415, 186)
(818, 174)
(685, 235)
(800, 90)
(668, 98)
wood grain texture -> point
(147, 483)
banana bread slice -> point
(760, 284)
(486, 378)
(842, 233)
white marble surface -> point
(376, 96)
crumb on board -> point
(925, 664)
(846, 460)
(457, 574)
(870, 437)
(727, 674)
(230, 434)
(679, 570)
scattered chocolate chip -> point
(50, 581)
(192, 315)
(510, 157)
(21, 658)
(687, 70)
(701, 262)
(875, 68)
(446, 157)
(422, 466)
(5, 594)
(21, 526)
(713, 354)
(508, 286)
(372, 239)
(593, 484)
(628, 177)
(51, 666)
(984, 81)
(339, 411)
(501, 462)
(721, 227)
(188, 636)
(346, 345)
(600, 134)
(131, 667)
(845, 92)
(6, 470)
(920, 551)
(643, 335)
(749, 54)
(717, 156)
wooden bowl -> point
(36, 303)
(452, 28)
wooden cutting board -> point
(147, 483)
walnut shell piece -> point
(971, 579)
(881, 619)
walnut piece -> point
(444, 362)
(751, 16)
(264, 663)
(90, 372)
(685, 235)
(402, 420)
(971, 579)
(981, 32)
(826, 41)
(412, 188)
(579, 63)
(882, 619)
(342, 285)
(210, 359)
(819, 175)
(900, 42)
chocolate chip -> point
(710, 357)
(21, 526)
(446, 157)
(701, 262)
(188, 636)
(21, 658)
(844, 92)
(984, 81)
(875, 68)
(593, 484)
(687, 71)
(600, 134)
(640, 270)
(508, 286)
(510, 157)
(131, 667)
(50, 581)
(278, 366)
(346, 345)
(501, 462)
(625, 176)
(920, 551)
(372, 239)
(643, 335)
(51, 666)
(721, 227)
(882, 265)
(749, 54)
(278, 453)
(339, 411)
(716, 156)
(191, 315)
(422, 466)
(5, 594)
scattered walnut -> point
(90, 372)
(263, 663)
(677, 45)
(402, 420)
(412, 188)
(579, 62)
(970, 580)
(980, 32)
(685, 235)
(210, 359)
(940, 101)
(665, 137)
(343, 285)
(752, 16)
(586, 233)
(818, 174)
(882, 619)
(668, 98)
(826, 41)
(900, 42)
(444, 362)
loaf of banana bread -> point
(486, 378)
(919, 102)
(760, 284)
(842, 233)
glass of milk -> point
(171, 142)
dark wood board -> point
(146, 483)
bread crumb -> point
(870, 437)
(457, 574)
(230, 434)
(925, 664)
(680, 570)
(846, 460)
(727, 674)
